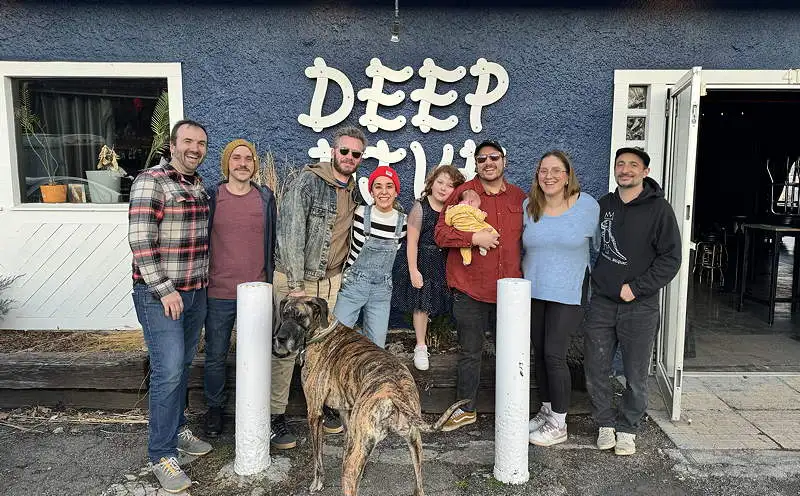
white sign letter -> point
(427, 96)
(375, 96)
(482, 97)
(321, 72)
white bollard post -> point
(512, 389)
(253, 378)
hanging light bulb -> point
(396, 23)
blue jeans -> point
(172, 345)
(631, 326)
(219, 324)
(359, 294)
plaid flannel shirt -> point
(168, 231)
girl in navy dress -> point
(422, 288)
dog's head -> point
(299, 318)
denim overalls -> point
(367, 284)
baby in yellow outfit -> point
(467, 216)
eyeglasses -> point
(354, 153)
(482, 158)
(552, 172)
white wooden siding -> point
(76, 270)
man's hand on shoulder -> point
(486, 238)
(173, 305)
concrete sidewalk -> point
(732, 412)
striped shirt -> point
(168, 231)
(383, 227)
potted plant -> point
(104, 182)
(37, 141)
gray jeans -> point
(633, 326)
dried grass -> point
(28, 419)
(276, 178)
(71, 341)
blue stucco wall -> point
(243, 66)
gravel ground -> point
(109, 460)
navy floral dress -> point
(434, 297)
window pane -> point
(63, 123)
(635, 129)
(637, 97)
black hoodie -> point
(639, 244)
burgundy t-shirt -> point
(237, 243)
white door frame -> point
(658, 83)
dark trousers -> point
(633, 327)
(219, 326)
(473, 319)
(552, 326)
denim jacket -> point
(305, 223)
(270, 214)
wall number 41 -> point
(792, 76)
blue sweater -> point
(555, 250)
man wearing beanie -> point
(316, 214)
(241, 224)
(640, 253)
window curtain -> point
(82, 125)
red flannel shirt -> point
(168, 231)
(479, 279)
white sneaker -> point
(421, 357)
(605, 438)
(626, 444)
(548, 435)
(539, 419)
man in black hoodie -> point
(640, 253)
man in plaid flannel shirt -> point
(168, 235)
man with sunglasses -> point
(313, 241)
(475, 285)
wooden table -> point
(777, 232)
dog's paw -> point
(315, 486)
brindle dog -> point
(372, 389)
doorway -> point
(747, 146)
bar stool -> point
(710, 257)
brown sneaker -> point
(459, 418)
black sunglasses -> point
(354, 153)
(482, 158)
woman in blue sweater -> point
(559, 229)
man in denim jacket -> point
(313, 241)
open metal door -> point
(679, 167)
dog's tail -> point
(437, 426)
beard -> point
(338, 166)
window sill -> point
(70, 207)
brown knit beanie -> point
(228, 151)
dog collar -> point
(319, 337)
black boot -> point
(214, 421)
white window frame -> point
(10, 192)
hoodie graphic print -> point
(640, 244)
(608, 244)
